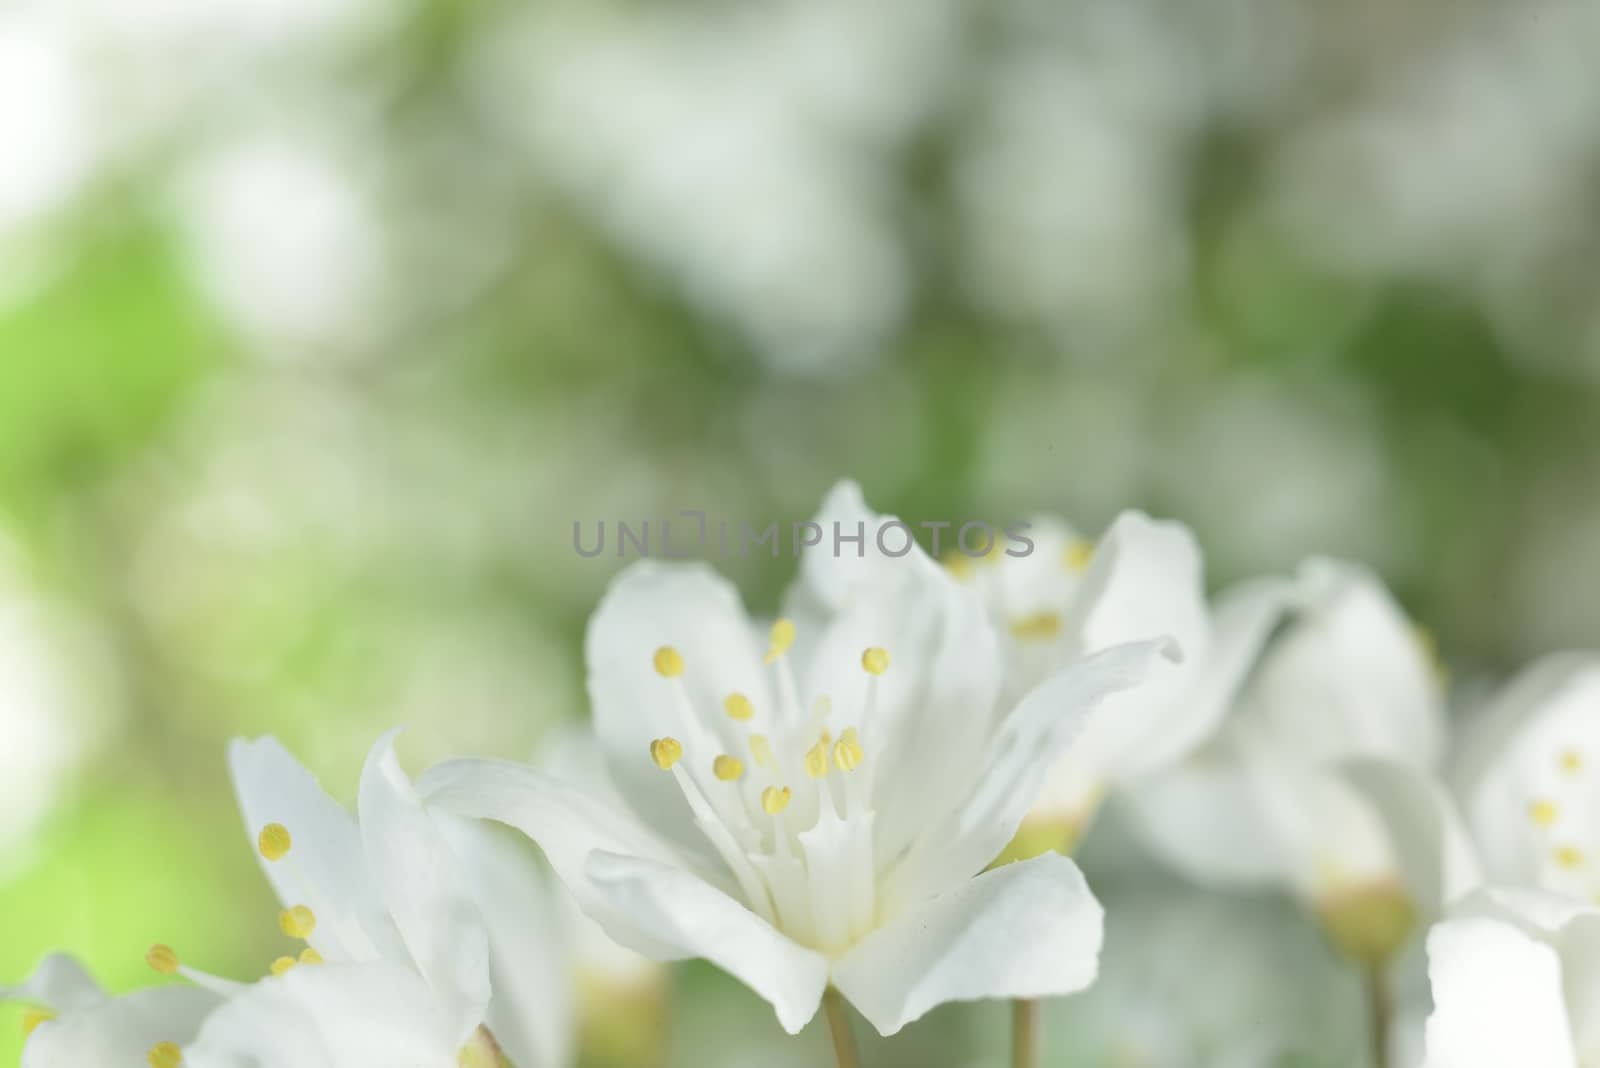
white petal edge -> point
(1026, 930)
(421, 882)
(60, 983)
(698, 920)
(566, 822)
(1435, 857)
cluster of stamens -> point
(802, 854)
(1561, 824)
(297, 922)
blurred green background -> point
(322, 322)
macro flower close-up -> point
(799, 534)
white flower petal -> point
(695, 919)
(698, 613)
(1497, 998)
(530, 1012)
(119, 1032)
(1144, 581)
(61, 983)
(1025, 930)
(566, 822)
(423, 889)
(1211, 674)
(1029, 745)
(326, 867)
(1435, 858)
(329, 1016)
(1349, 677)
(1204, 819)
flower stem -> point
(1025, 1034)
(1381, 1011)
(844, 1044)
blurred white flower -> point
(769, 204)
(286, 242)
(46, 118)
(1069, 598)
(818, 814)
(1269, 801)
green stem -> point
(844, 1044)
(1025, 1033)
(1381, 1011)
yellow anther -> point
(310, 956)
(761, 749)
(1571, 761)
(297, 922)
(1544, 813)
(847, 752)
(1077, 554)
(274, 841)
(817, 758)
(282, 965)
(782, 637)
(162, 958)
(32, 1018)
(728, 768)
(666, 752)
(875, 660)
(1040, 626)
(1570, 857)
(738, 707)
(669, 662)
(164, 1055)
(774, 799)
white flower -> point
(71, 1021)
(1516, 981)
(816, 807)
(410, 920)
(1068, 598)
(1527, 779)
(1270, 800)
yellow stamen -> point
(782, 638)
(875, 660)
(164, 1055)
(1039, 626)
(847, 753)
(32, 1018)
(666, 752)
(310, 956)
(1543, 813)
(282, 965)
(817, 758)
(774, 799)
(297, 922)
(669, 662)
(1570, 857)
(274, 841)
(163, 959)
(1077, 554)
(761, 749)
(1571, 761)
(728, 768)
(738, 707)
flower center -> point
(1558, 812)
(795, 824)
